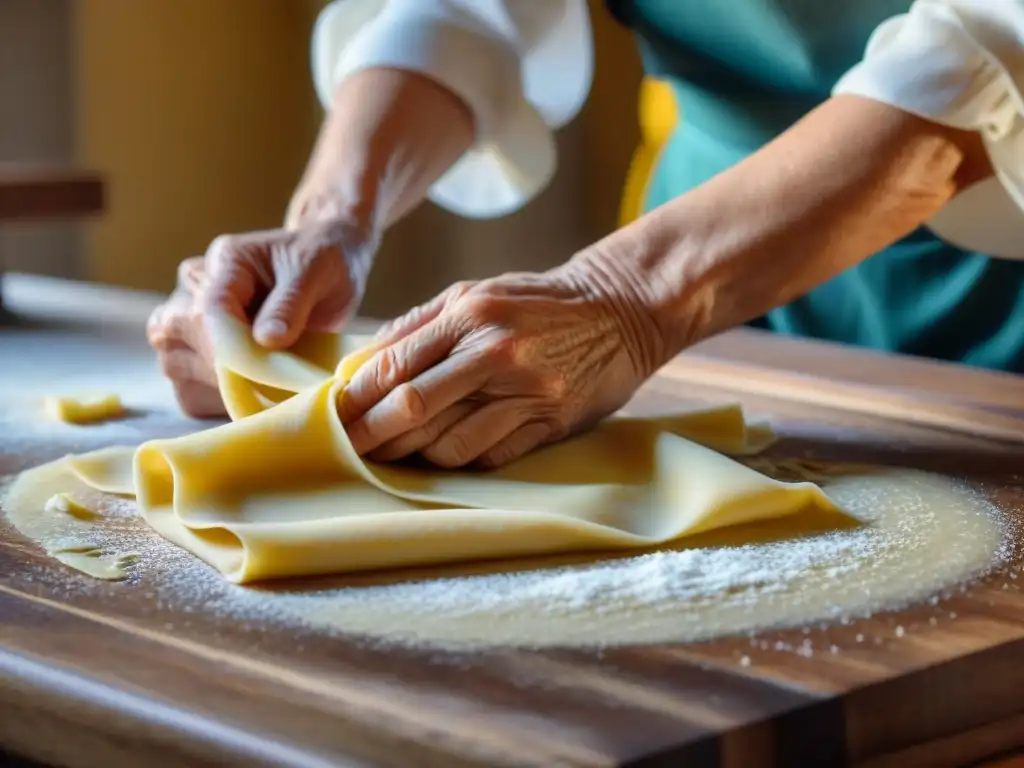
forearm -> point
(850, 179)
(388, 136)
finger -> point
(185, 364)
(232, 282)
(396, 364)
(156, 326)
(413, 404)
(417, 317)
(178, 323)
(161, 327)
(515, 446)
(192, 276)
(189, 328)
(465, 441)
(198, 400)
(411, 442)
(286, 310)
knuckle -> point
(185, 326)
(433, 431)
(190, 269)
(163, 332)
(451, 452)
(496, 457)
(430, 432)
(388, 371)
(185, 366)
(418, 438)
(155, 325)
(503, 351)
(526, 439)
(481, 309)
(410, 402)
(461, 288)
(222, 248)
(359, 436)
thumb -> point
(285, 313)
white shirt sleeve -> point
(960, 63)
(523, 67)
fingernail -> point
(272, 329)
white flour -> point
(922, 535)
(37, 363)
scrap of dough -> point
(92, 562)
(280, 492)
(65, 505)
(85, 410)
(44, 504)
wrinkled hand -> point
(286, 281)
(175, 330)
(488, 371)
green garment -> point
(743, 71)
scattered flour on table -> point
(922, 535)
(36, 364)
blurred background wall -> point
(38, 123)
(200, 115)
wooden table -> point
(35, 193)
(115, 678)
(44, 192)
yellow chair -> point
(658, 116)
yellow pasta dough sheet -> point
(279, 491)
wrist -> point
(605, 277)
(667, 267)
(388, 137)
(849, 180)
(341, 182)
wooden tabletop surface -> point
(110, 676)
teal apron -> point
(743, 71)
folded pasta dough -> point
(280, 492)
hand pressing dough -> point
(280, 492)
(84, 411)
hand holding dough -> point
(280, 492)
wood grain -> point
(110, 674)
(914, 405)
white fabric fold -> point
(523, 67)
(960, 63)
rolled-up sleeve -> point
(522, 67)
(960, 63)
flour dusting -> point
(920, 536)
